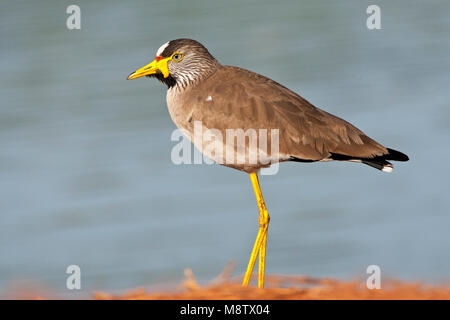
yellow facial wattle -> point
(159, 64)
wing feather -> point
(243, 99)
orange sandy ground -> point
(290, 288)
(278, 287)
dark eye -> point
(177, 57)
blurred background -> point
(85, 170)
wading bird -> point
(223, 97)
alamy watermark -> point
(374, 280)
(73, 281)
(73, 21)
(373, 21)
(234, 147)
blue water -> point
(86, 176)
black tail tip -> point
(396, 155)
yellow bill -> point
(159, 65)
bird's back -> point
(235, 98)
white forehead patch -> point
(161, 49)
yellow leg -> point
(262, 261)
(261, 238)
(253, 256)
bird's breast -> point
(180, 109)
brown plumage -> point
(239, 98)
